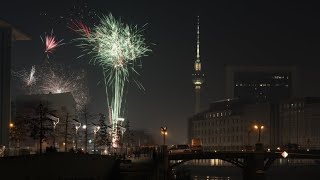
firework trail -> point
(31, 80)
(27, 79)
(115, 47)
(51, 43)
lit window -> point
(197, 66)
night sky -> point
(232, 32)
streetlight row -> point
(164, 132)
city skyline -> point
(231, 33)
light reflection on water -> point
(209, 178)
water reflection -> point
(278, 162)
(210, 178)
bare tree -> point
(39, 125)
(103, 137)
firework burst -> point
(55, 79)
(58, 79)
(51, 43)
(80, 28)
(115, 47)
(27, 79)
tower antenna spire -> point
(197, 76)
(198, 39)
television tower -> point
(197, 75)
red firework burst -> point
(50, 43)
(79, 27)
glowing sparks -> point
(55, 80)
(51, 43)
(31, 80)
(80, 28)
(114, 46)
(27, 79)
(61, 80)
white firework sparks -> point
(55, 80)
(60, 80)
(27, 79)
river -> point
(201, 170)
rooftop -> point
(17, 34)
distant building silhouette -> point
(142, 138)
(261, 83)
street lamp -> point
(55, 121)
(77, 125)
(259, 127)
(85, 137)
(164, 133)
(95, 130)
(11, 126)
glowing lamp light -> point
(284, 154)
(11, 125)
(278, 148)
(84, 126)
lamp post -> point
(164, 133)
(95, 130)
(259, 127)
(77, 126)
(85, 137)
(11, 125)
(55, 121)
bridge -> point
(253, 163)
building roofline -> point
(17, 34)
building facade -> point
(261, 83)
(229, 124)
(300, 122)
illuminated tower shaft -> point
(197, 76)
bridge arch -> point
(235, 162)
